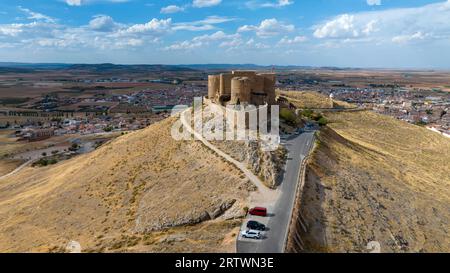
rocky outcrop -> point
(185, 218)
(267, 165)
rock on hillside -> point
(268, 165)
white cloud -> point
(26, 31)
(342, 26)
(102, 32)
(74, 2)
(402, 39)
(238, 44)
(190, 27)
(201, 25)
(83, 2)
(205, 3)
(393, 25)
(373, 2)
(132, 42)
(296, 40)
(185, 45)
(217, 36)
(257, 45)
(11, 30)
(268, 28)
(36, 16)
(171, 9)
(254, 4)
(205, 40)
(155, 26)
(103, 23)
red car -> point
(259, 211)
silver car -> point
(252, 234)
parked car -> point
(252, 234)
(259, 211)
(255, 225)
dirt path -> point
(17, 169)
(263, 194)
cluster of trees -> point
(45, 162)
(318, 117)
(292, 119)
(289, 116)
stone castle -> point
(242, 88)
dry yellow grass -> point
(374, 178)
(8, 165)
(311, 99)
(10, 146)
(121, 197)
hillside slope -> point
(143, 191)
(374, 178)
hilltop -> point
(142, 191)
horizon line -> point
(231, 64)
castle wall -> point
(238, 73)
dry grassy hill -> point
(311, 99)
(374, 178)
(143, 191)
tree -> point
(307, 113)
(108, 129)
(74, 147)
(322, 121)
(52, 161)
(288, 116)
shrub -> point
(307, 113)
(52, 161)
(288, 116)
(246, 209)
(41, 162)
(322, 121)
(74, 147)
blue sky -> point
(345, 33)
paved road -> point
(280, 213)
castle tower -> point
(213, 86)
(269, 87)
(240, 90)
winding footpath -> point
(17, 169)
(262, 189)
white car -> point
(252, 234)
